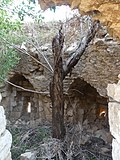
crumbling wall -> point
(5, 137)
(84, 106)
(114, 117)
(98, 66)
(108, 12)
(27, 105)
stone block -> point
(114, 119)
(119, 76)
(2, 120)
(115, 150)
(111, 90)
(5, 145)
(8, 157)
(70, 112)
(117, 93)
(106, 136)
(28, 156)
(4, 94)
(16, 114)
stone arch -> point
(85, 106)
(18, 101)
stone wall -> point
(17, 100)
(114, 117)
(5, 137)
(98, 66)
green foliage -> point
(8, 59)
(27, 8)
(5, 2)
(6, 25)
(10, 28)
(8, 55)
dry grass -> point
(47, 148)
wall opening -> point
(84, 106)
(21, 104)
(29, 107)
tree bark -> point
(60, 72)
(56, 88)
(76, 55)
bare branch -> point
(24, 89)
(42, 55)
(76, 55)
(40, 52)
(25, 52)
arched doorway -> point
(84, 106)
(21, 104)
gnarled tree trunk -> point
(56, 88)
(60, 72)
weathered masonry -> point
(5, 136)
(86, 99)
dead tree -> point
(56, 88)
(60, 72)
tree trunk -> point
(56, 89)
(76, 55)
(60, 72)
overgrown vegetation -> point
(10, 28)
(38, 140)
(26, 138)
(8, 56)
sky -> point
(61, 12)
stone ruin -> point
(25, 105)
(86, 100)
(5, 136)
(114, 117)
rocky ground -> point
(78, 144)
